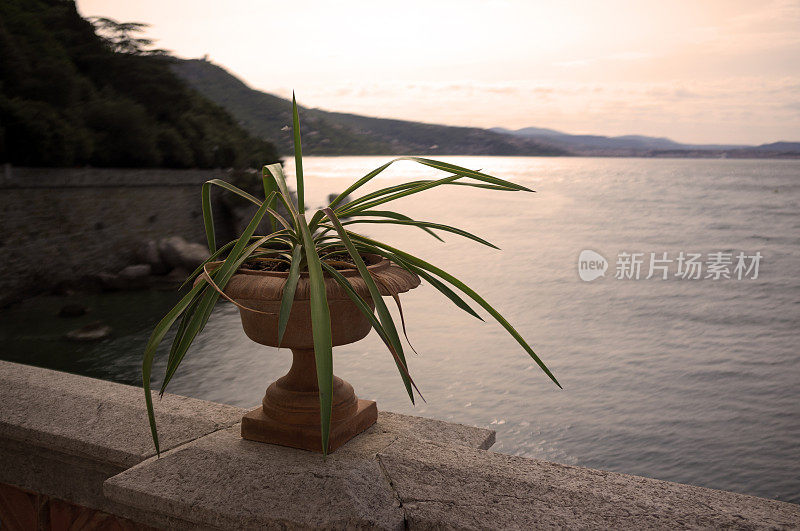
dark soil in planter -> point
(266, 265)
(338, 261)
(343, 261)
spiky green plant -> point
(309, 246)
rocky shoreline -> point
(162, 264)
(157, 264)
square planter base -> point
(256, 426)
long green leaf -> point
(433, 164)
(150, 350)
(184, 322)
(268, 182)
(235, 189)
(413, 184)
(320, 313)
(289, 288)
(380, 193)
(207, 214)
(425, 224)
(396, 296)
(501, 183)
(201, 314)
(298, 157)
(359, 301)
(469, 292)
(446, 166)
(320, 330)
(208, 218)
(280, 180)
(383, 312)
(443, 288)
(211, 258)
(497, 187)
(216, 254)
(398, 195)
(394, 215)
(358, 205)
(368, 313)
(356, 185)
(206, 305)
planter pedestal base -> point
(256, 426)
(289, 414)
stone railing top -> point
(402, 472)
(393, 480)
(101, 421)
(223, 481)
(474, 489)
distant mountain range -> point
(334, 133)
(638, 145)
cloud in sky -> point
(713, 71)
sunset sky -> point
(695, 71)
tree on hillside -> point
(121, 37)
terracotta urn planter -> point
(290, 411)
(289, 414)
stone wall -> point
(61, 224)
(79, 450)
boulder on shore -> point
(135, 272)
(177, 252)
(91, 332)
(135, 276)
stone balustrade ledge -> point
(75, 449)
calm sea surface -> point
(696, 381)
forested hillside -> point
(71, 97)
(332, 133)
